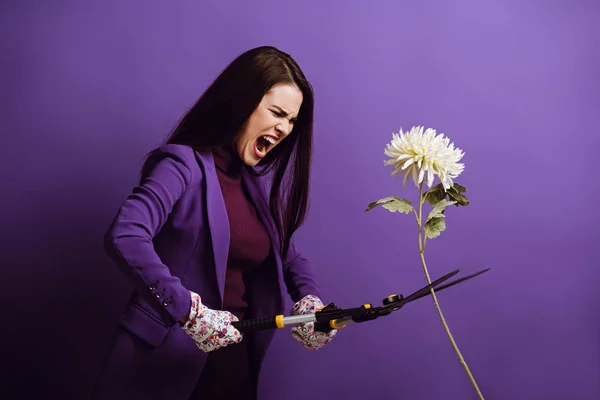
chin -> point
(250, 163)
(252, 156)
(249, 159)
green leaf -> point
(458, 188)
(434, 227)
(438, 210)
(435, 223)
(435, 194)
(455, 193)
(392, 204)
(459, 199)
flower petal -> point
(430, 177)
(419, 151)
(415, 175)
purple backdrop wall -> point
(90, 87)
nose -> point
(283, 128)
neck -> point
(228, 160)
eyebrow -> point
(287, 114)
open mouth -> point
(263, 144)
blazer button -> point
(167, 302)
(160, 293)
(152, 286)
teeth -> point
(269, 139)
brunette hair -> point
(224, 108)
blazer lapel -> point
(218, 220)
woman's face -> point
(269, 124)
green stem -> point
(422, 240)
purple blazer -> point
(172, 234)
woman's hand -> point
(210, 329)
(305, 333)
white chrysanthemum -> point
(419, 152)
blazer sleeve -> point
(129, 240)
(299, 276)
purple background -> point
(89, 87)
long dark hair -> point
(224, 108)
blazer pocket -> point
(144, 325)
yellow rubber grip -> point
(333, 325)
(279, 321)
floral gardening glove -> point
(210, 329)
(305, 333)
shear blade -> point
(452, 283)
(426, 290)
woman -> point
(204, 245)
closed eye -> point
(280, 113)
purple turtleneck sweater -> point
(249, 241)
(226, 373)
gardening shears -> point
(332, 317)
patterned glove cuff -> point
(307, 305)
(195, 310)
